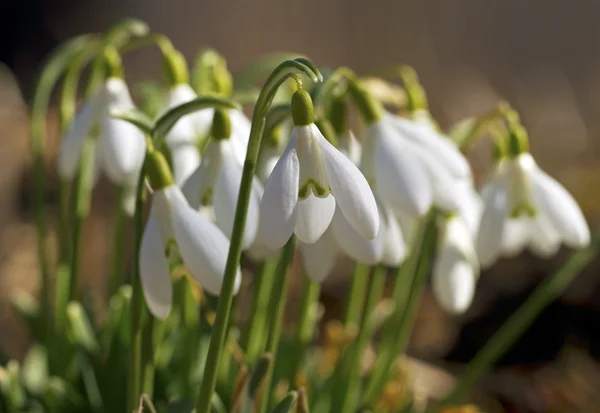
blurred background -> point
(540, 55)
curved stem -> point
(52, 71)
(306, 325)
(276, 310)
(261, 110)
(137, 300)
(520, 320)
(395, 336)
(254, 334)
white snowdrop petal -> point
(278, 206)
(202, 245)
(185, 131)
(561, 209)
(399, 178)
(544, 240)
(353, 244)
(313, 217)
(440, 147)
(394, 251)
(471, 205)
(445, 187)
(185, 160)
(515, 237)
(225, 197)
(154, 271)
(453, 282)
(69, 152)
(202, 180)
(318, 259)
(123, 149)
(350, 188)
(491, 227)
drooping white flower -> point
(183, 137)
(201, 244)
(308, 180)
(411, 166)
(525, 207)
(120, 145)
(456, 267)
(216, 183)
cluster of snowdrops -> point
(210, 190)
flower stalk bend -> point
(217, 341)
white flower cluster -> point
(360, 201)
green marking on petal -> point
(523, 208)
(317, 189)
(206, 199)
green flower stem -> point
(118, 245)
(520, 320)
(137, 300)
(352, 318)
(346, 395)
(306, 325)
(82, 201)
(51, 73)
(358, 291)
(276, 310)
(147, 364)
(412, 276)
(253, 340)
(217, 340)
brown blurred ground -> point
(540, 55)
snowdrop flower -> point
(201, 244)
(411, 166)
(408, 163)
(308, 180)
(524, 206)
(120, 145)
(183, 137)
(456, 267)
(216, 182)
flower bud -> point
(157, 170)
(303, 111)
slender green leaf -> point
(287, 404)
(136, 117)
(164, 124)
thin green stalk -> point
(118, 245)
(306, 325)
(82, 197)
(413, 275)
(548, 291)
(253, 340)
(276, 310)
(147, 365)
(348, 384)
(137, 301)
(358, 292)
(49, 76)
(63, 286)
(219, 333)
